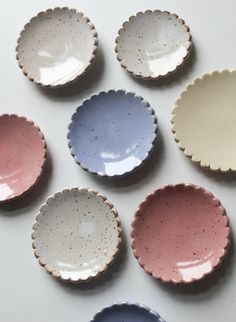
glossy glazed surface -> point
(126, 312)
(57, 47)
(112, 133)
(22, 156)
(180, 233)
(76, 234)
(153, 44)
(204, 121)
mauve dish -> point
(180, 233)
(22, 156)
(153, 44)
(127, 312)
(77, 235)
(57, 47)
(112, 133)
(203, 121)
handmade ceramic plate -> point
(204, 121)
(127, 312)
(112, 133)
(57, 47)
(153, 44)
(76, 235)
(180, 233)
(22, 156)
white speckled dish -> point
(204, 121)
(153, 44)
(57, 47)
(76, 235)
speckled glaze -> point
(22, 156)
(76, 235)
(112, 133)
(180, 233)
(203, 121)
(127, 312)
(57, 47)
(153, 44)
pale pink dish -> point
(22, 156)
(180, 233)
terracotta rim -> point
(91, 61)
(224, 249)
(178, 66)
(175, 131)
(56, 273)
(150, 150)
(23, 192)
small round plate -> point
(57, 47)
(127, 312)
(204, 121)
(76, 235)
(112, 133)
(22, 156)
(180, 233)
(153, 44)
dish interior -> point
(76, 234)
(204, 121)
(180, 233)
(112, 133)
(56, 47)
(153, 44)
(22, 151)
(127, 313)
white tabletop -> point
(27, 293)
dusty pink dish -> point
(180, 233)
(22, 156)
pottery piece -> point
(180, 233)
(76, 235)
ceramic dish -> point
(127, 312)
(76, 235)
(180, 233)
(153, 44)
(57, 47)
(204, 121)
(112, 133)
(22, 156)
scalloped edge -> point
(56, 273)
(120, 304)
(219, 260)
(77, 77)
(175, 132)
(148, 153)
(178, 66)
(23, 192)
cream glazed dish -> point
(180, 233)
(77, 235)
(153, 44)
(204, 118)
(57, 47)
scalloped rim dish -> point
(127, 305)
(167, 73)
(88, 229)
(70, 79)
(222, 161)
(145, 104)
(33, 183)
(183, 277)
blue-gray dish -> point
(127, 312)
(112, 133)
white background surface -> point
(27, 293)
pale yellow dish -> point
(204, 121)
